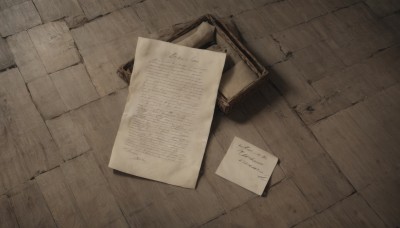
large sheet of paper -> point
(247, 165)
(168, 113)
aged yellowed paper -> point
(247, 165)
(203, 34)
(236, 79)
(167, 117)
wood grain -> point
(30, 207)
(60, 199)
(7, 215)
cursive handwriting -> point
(253, 160)
(248, 148)
(252, 166)
(175, 56)
(137, 158)
(134, 156)
(249, 157)
(165, 115)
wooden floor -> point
(331, 113)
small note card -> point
(247, 165)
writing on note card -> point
(247, 165)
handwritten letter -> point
(247, 166)
(166, 122)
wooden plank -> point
(46, 97)
(322, 183)
(223, 8)
(162, 14)
(292, 84)
(253, 24)
(281, 129)
(26, 56)
(353, 83)
(18, 18)
(60, 199)
(353, 44)
(297, 37)
(33, 142)
(51, 10)
(4, 4)
(91, 191)
(107, 28)
(282, 15)
(364, 137)
(309, 9)
(176, 208)
(332, 29)
(316, 61)
(334, 5)
(7, 216)
(12, 167)
(95, 8)
(30, 207)
(284, 206)
(13, 170)
(103, 60)
(61, 91)
(107, 43)
(6, 57)
(393, 21)
(344, 88)
(351, 212)
(383, 8)
(383, 197)
(355, 14)
(54, 45)
(38, 150)
(325, 107)
(144, 202)
(267, 50)
(74, 86)
(68, 136)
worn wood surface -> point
(106, 43)
(51, 10)
(284, 206)
(4, 4)
(6, 58)
(25, 133)
(46, 97)
(68, 136)
(330, 113)
(351, 212)
(7, 213)
(57, 49)
(74, 86)
(60, 199)
(30, 207)
(18, 17)
(26, 57)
